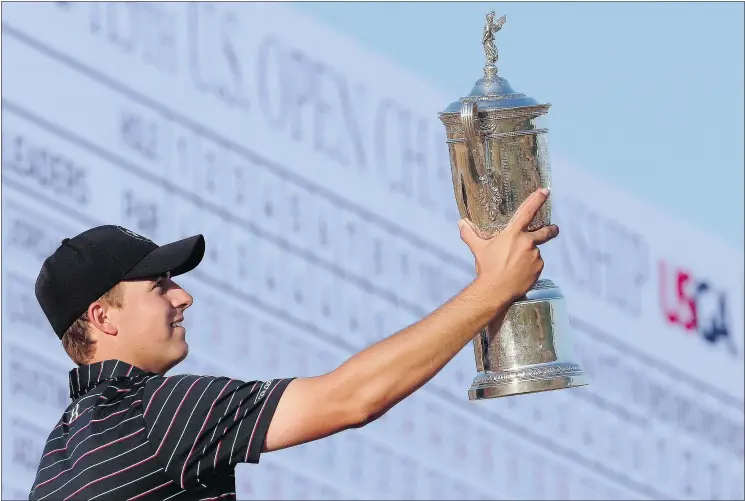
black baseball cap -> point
(85, 267)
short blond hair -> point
(77, 340)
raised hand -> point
(511, 259)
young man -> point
(131, 432)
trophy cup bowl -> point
(498, 157)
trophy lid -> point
(493, 92)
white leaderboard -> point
(319, 174)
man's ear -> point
(99, 318)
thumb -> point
(468, 233)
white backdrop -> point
(318, 172)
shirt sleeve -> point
(203, 426)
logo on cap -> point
(133, 234)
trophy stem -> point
(529, 351)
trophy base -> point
(533, 379)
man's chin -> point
(180, 358)
(184, 352)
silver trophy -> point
(499, 156)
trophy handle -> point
(469, 119)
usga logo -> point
(695, 305)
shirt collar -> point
(86, 377)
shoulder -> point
(177, 391)
(181, 384)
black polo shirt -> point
(132, 434)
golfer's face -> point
(151, 321)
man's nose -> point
(181, 298)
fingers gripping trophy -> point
(498, 157)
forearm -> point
(390, 370)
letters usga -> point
(695, 305)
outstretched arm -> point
(371, 382)
(375, 379)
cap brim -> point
(177, 258)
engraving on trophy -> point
(489, 193)
(498, 157)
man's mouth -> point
(177, 323)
